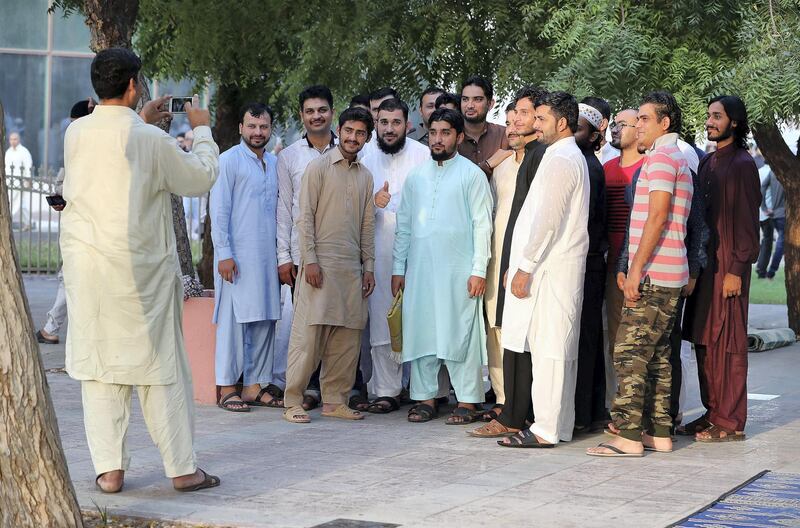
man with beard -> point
(657, 271)
(389, 164)
(316, 114)
(441, 250)
(337, 241)
(427, 104)
(716, 316)
(590, 392)
(243, 206)
(482, 140)
(502, 183)
(546, 274)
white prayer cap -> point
(591, 114)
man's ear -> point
(459, 138)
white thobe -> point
(19, 163)
(393, 168)
(550, 242)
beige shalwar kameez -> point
(337, 231)
(124, 293)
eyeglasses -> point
(620, 126)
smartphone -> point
(55, 200)
(176, 104)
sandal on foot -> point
(493, 429)
(615, 452)
(273, 402)
(233, 406)
(716, 434)
(210, 481)
(310, 402)
(423, 411)
(296, 414)
(46, 340)
(376, 406)
(462, 416)
(359, 403)
(524, 439)
(275, 391)
(491, 414)
(99, 487)
(693, 427)
(344, 412)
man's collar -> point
(243, 146)
(663, 141)
(337, 156)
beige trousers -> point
(168, 412)
(337, 347)
(494, 350)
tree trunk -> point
(35, 487)
(226, 133)
(786, 167)
(112, 24)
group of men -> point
(507, 243)
(504, 244)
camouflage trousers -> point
(641, 363)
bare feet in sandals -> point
(657, 443)
(617, 447)
(493, 429)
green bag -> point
(395, 320)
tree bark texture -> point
(226, 133)
(786, 167)
(35, 486)
(112, 24)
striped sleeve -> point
(662, 172)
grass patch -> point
(765, 291)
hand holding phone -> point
(56, 201)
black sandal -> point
(463, 416)
(358, 403)
(375, 406)
(525, 439)
(233, 406)
(274, 403)
(310, 402)
(693, 427)
(425, 412)
(491, 414)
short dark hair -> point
(381, 93)
(79, 109)
(360, 100)
(481, 82)
(530, 92)
(317, 91)
(601, 105)
(563, 105)
(430, 90)
(256, 110)
(447, 98)
(666, 106)
(449, 116)
(736, 111)
(511, 106)
(390, 105)
(356, 113)
(111, 71)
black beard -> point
(476, 120)
(725, 134)
(394, 148)
(251, 145)
(442, 156)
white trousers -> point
(168, 412)
(553, 394)
(387, 374)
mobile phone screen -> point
(176, 107)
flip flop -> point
(228, 405)
(210, 481)
(274, 403)
(296, 414)
(344, 412)
(617, 452)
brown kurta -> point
(716, 324)
(490, 141)
(337, 231)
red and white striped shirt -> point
(664, 169)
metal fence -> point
(36, 225)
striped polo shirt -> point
(664, 169)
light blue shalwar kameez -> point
(443, 236)
(243, 209)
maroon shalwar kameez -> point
(718, 325)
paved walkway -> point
(386, 470)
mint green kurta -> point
(443, 235)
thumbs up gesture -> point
(382, 197)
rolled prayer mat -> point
(762, 340)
